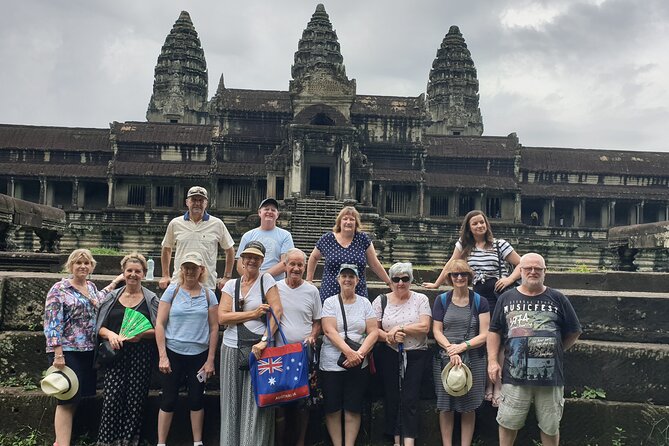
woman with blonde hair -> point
(186, 335)
(487, 257)
(345, 244)
(70, 315)
(460, 325)
(126, 382)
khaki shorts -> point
(515, 404)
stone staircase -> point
(312, 218)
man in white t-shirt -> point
(197, 231)
(301, 321)
(277, 241)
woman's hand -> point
(261, 310)
(135, 338)
(58, 361)
(456, 360)
(164, 365)
(209, 368)
(258, 348)
(430, 285)
(115, 340)
(456, 349)
(502, 283)
(353, 358)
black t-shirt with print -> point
(532, 328)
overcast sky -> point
(567, 73)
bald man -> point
(537, 325)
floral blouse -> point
(69, 317)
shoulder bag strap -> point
(499, 258)
(343, 316)
(238, 285)
(384, 302)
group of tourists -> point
(496, 342)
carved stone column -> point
(110, 193)
(421, 200)
(11, 190)
(75, 194)
(271, 185)
(345, 177)
(42, 190)
(551, 212)
(295, 180)
(517, 208)
(612, 213)
(367, 193)
(382, 200)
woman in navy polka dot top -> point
(345, 244)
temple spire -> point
(180, 80)
(319, 75)
(452, 90)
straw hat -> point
(457, 380)
(60, 383)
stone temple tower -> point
(180, 82)
(319, 75)
(452, 90)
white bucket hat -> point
(457, 380)
(60, 383)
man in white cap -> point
(277, 241)
(197, 231)
(538, 324)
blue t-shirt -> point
(335, 254)
(532, 328)
(187, 329)
(277, 242)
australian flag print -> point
(280, 375)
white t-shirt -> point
(204, 237)
(408, 312)
(252, 300)
(357, 315)
(276, 241)
(301, 307)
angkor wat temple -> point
(414, 165)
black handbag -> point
(246, 339)
(106, 355)
(355, 346)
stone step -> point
(626, 371)
(584, 421)
(605, 315)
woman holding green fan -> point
(125, 323)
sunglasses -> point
(458, 274)
(403, 279)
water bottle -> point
(150, 265)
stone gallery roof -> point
(163, 133)
(252, 100)
(470, 146)
(54, 138)
(491, 182)
(615, 162)
(396, 176)
(593, 191)
(241, 169)
(54, 170)
(162, 169)
(388, 106)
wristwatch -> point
(264, 338)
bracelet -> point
(468, 345)
(55, 356)
(227, 276)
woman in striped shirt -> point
(487, 256)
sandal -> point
(496, 400)
(488, 396)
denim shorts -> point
(515, 404)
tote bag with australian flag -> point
(281, 374)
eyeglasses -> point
(404, 279)
(531, 269)
(458, 274)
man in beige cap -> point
(197, 231)
(537, 325)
